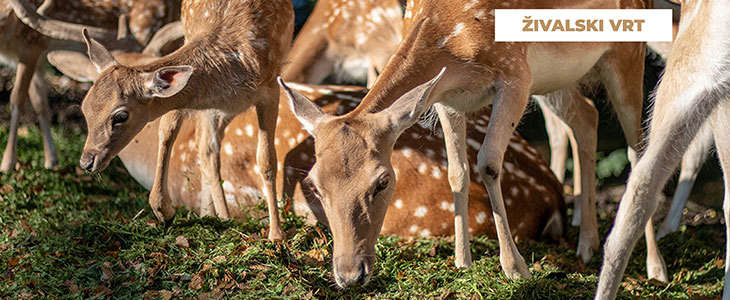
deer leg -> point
(673, 126)
(454, 127)
(558, 138)
(267, 111)
(506, 114)
(210, 132)
(38, 93)
(623, 79)
(581, 116)
(159, 196)
(692, 162)
(721, 129)
(23, 75)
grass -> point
(67, 235)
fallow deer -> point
(354, 39)
(232, 53)
(23, 47)
(694, 92)
(415, 212)
(353, 170)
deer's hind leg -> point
(581, 116)
(721, 129)
(210, 127)
(622, 73)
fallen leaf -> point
(219, 259)
(182, 241)
(196, 282)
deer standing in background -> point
(353, 170)
(24, 47)
(693, 94)
(232, 53)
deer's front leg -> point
(506, 114)
(159, 197)
(266, 160)
(38, 93)
(210, 132)
(18, 95)
(454, 127)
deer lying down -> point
(418, 207)
(694, 93)
(23, 47)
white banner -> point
(583, 25)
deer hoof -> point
(276, 234)
(516, 268)
(656, 269)
(7, 165)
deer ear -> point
(405, 111)
(98, 55)
(167, 81)
(73, 64)
(306, 111)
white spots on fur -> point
(421, 211)
(301, 137)
(292, 142)
(480, 14)
(191, 144)
(481, 217)
(239, 132)
(436, 172)
(276, 141)
(445, 205)
(422, 168)
(470, 5)
(228, 148)
(413, 228)
(425, 233)
(249, 130)
(407, 152)
(183, 156)
(257, 169)
(398, 203)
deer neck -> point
(219, 75)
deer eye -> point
(120, 117)
(382, 184)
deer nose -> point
(87, 161)
(357, 275)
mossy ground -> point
(66, 234)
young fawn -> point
(23, 47)
(692, 96)
(232, 53)
(354, 171)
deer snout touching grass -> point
(228, 64)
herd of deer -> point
(341, 168)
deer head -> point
(353, 176)
(121, 101)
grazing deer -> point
(23, 47)
(232, 53)
(693, 93)
(354, 39)
(353, 170)
(415, 212)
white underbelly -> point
(557, 67)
